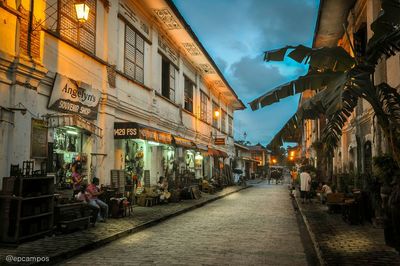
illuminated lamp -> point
(82, 11)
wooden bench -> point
(71, 216)
(335, 201)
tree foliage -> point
(340, 81)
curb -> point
(74, 252)
(311, 234)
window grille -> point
(223, 121)
(61, 19)
(172, 82)
(203, 106)
(189, 85)
(230, 126)
(134, 55)
(168, 79)
(215, 118)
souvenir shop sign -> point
(131, 130)
(70, 96)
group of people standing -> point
(306, 186)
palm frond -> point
(333, 129)
(290, 132)
(310, 81)
(321, 59)
(386, 28)
(390, 102)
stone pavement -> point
(256, 226)
(63, 246)
(339, 243)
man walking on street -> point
(305, 185)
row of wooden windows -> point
(61, 20)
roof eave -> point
(329, 25)
(187, 27)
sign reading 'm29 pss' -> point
(70, 96)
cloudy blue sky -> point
(236, 33)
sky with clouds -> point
(236, 33)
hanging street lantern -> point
(82, 11)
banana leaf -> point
(386, 28)
(321, 59)
(310, 81)
(290, 132)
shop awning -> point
(217, 153)
(133, 130)
(250, 159)
(179, 141)
(55, 121)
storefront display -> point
(143, 148)
(68, 149)
(199, 164)
(186, 154)
(134, 160)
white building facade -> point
(132, 88)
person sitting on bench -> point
(324, 190)
(83, 196)
(94, 192)
(163, 189)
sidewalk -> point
(338, 243)
(61, 247)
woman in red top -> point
(76, 179)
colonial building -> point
(252, 160)
(361, 136)
(129, 87)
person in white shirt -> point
(325, 190)
(305, 185)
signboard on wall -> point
(70, 96)
(184, 142)
(39, 139)
(219, 141)
(132, 130)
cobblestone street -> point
(344, 244)
(256, 226)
